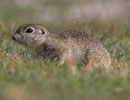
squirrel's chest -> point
(48, 51)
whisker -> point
(12, 28)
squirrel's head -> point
(30, 35)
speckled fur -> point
(68, 45)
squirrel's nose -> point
(13, 37)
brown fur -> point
(69, 46)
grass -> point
(25, 78)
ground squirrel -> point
(69, 46)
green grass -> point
(22, 76)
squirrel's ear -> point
(43, 32)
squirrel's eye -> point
(29, 30)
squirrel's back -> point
(78, 36)
(88, 45)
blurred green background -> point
(24, 78)
(58, 11)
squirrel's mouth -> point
(18, 38)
